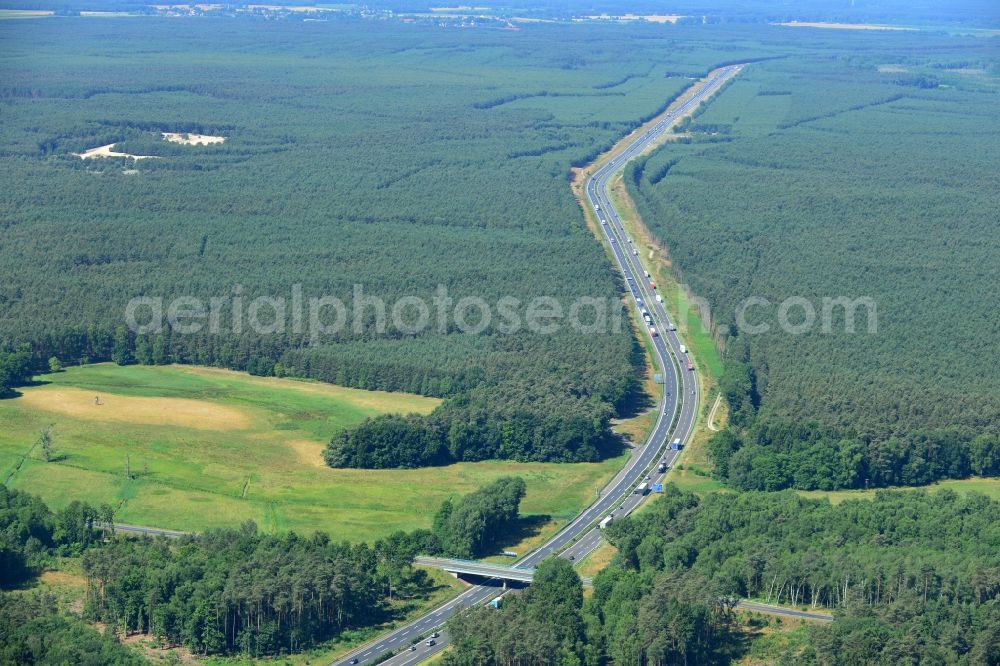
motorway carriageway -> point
(680, 402)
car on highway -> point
(619, 492)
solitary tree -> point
(45, 442)
(55, 365)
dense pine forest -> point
(911, 577)
(760, 452)
(823, 176)
(33, 631)
(228, 591)
(388, 161)
(352, 185)
(234, 591)
(376, 159)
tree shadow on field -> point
(525, 527)
(612, 446)
(9, 393)
(635, 403)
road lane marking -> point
(600, 177)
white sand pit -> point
(105, 151)
(192, 139)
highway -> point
(679, 403)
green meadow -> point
(210, 448)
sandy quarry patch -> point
(181, 412)
(192, 139)
(105, 151)
(840, 26)
(308, 452)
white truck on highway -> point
(604, 523)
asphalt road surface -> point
(781, 610)
(148, 531)
(680, 402)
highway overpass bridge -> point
(484, 569)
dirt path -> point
(20, 463)
(711, 414)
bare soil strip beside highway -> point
(711, 414)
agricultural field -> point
(212, 448)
